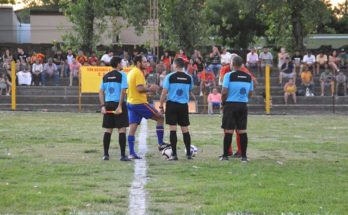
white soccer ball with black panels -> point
(194, 150)
(167, 152)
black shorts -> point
(111, 120)
(235, 116)
(177, 114)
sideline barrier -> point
(13, 86)
(268, 90)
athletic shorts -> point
(111, 120)
(138, 111)
(177, 114)
(216, 104)
(235, 116)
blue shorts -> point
(139, 111)
(216, 104)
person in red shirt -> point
(93, 60)
(167, 60)
(37, 55)
(182, 55)
(207, 79)
(81, 58)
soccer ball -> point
(193, 150)
(167, 152)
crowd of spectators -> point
(207, 70)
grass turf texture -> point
(51, 164)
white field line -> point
(137, 192)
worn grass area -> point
(50, 163)
(298, 165)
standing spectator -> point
(93, 59)
(161, 78)
(265, 58)
(225, 56)
(334, 61)
(182, 55)
(321, 60)
(309, 60)
(237, 88)
(215, 61)
(106, 58)
(341, 84)
(24, 76)
(282, 55)
(160, 67)
(58, 59)
(37, 71)
(21, 55)
(287, 70)
(307, 81)
(252, 61)
(74, 71)
(192, 69)
(297, 61)
(69, 59)
(2, 84)
(124, 61)
(214, 101)
(50, 71)
(167, 60)
(327, 80)
(81, 58)
(290, 90)
(207, 80)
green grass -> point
(50, 163)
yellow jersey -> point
(135, 78)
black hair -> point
(115, 61)
(237, 61)
(138, 58)
(179, 62)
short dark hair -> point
(237, 61)
(115, 61)
(138, 58)
(179, 62)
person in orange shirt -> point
(81, 58)
(307, 81)
(38, 56)
(290, 90)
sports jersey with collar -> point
(238, 84)
(112, 84)
(179, 85)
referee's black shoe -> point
(223, 158)
(189, 157)
(173, 158)
(106, 157)
(125, 158)
(163, 146)
(244, 160)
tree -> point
(182, 24)
(233, 22)
(7, 2)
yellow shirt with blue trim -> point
(135, 78)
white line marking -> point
(137, 192)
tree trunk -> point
(89, 19)
(297, 25)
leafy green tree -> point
(7, 2)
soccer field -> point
(50, 163)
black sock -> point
(122, 142)
(227, 143)
(187, 141)
(243, 143)
(173, 140)
(106, 141)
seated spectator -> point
(307, 82)
(24, 76)
(160, 67)
(58, 59)
(182, 55)
(290, 90)
(252, 61)
(265, 58)
(321, 60)
(341, 84)
(50, 71)
(334, 61)
(343, 57)
(282, 55)
(297, 61)
(161, 78)
(215, 61)
(207, 80)
(287, 71)
(93, 59)
(167, 60)
(69, 59)
(214, 101)
(74, 71)
(309, 60)
(327, 80)
(81, 58)
(106, 58)
(124, 61)
(7, 57)
(37, 71)
(192, 70)
(37, 55)
(2, 84)
(8, 80)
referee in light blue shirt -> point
(111, 97)
(237, 88)
(177, 88)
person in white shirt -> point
(309, 60)
(252, 61)
(69, 59)
(282, 55)
(225, 56)
(265, 58)
(106, 58)
(37, 69)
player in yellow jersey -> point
(138, 106)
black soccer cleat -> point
(106, 157)
(189, 157)
(244, 160)
(173, 158)
(237, 155)
(223, 158)
(125, 158)
(163, 146)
